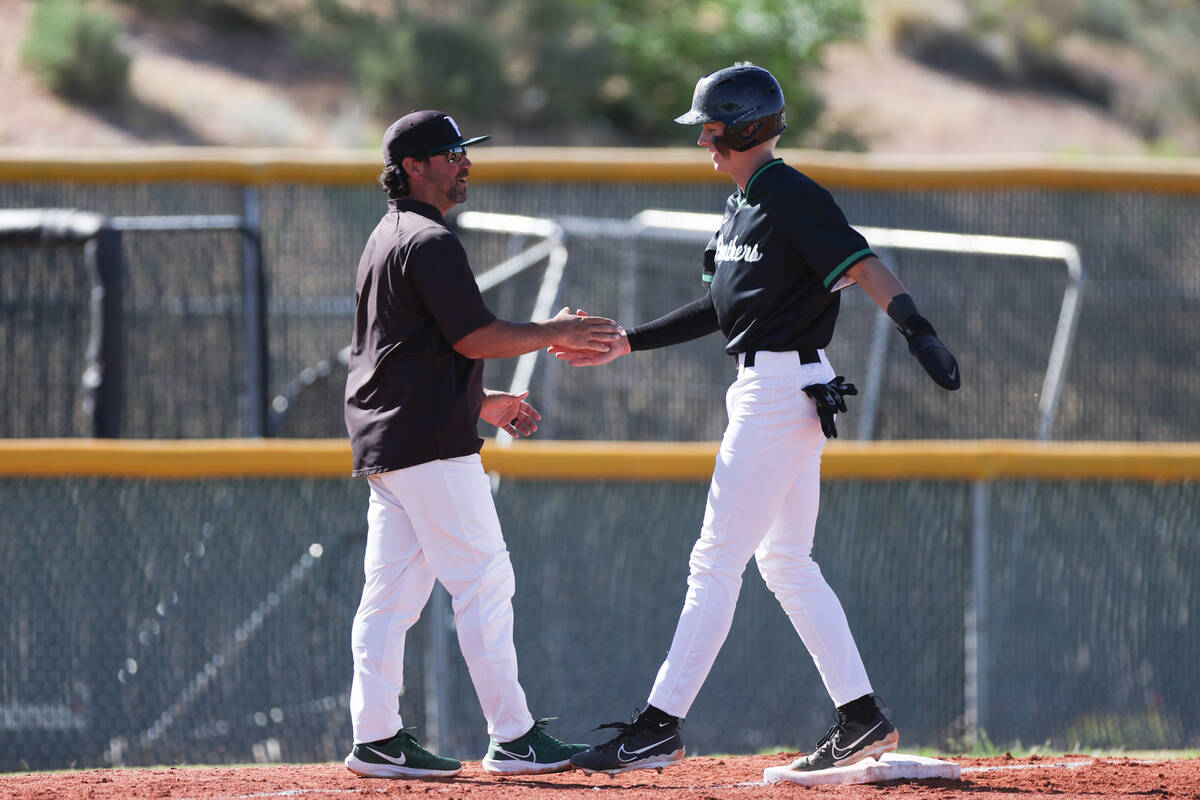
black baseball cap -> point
(422, 134)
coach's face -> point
(439, 181)
(710, 133)
(449, 178)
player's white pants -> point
(435, 521)
(763, 501)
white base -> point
(891, 767)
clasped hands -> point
(590, 356)
(577, 337)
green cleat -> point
(399, 757)
(535, 753)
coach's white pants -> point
(763, 501)
(435, 521)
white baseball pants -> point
(763, 501)
(435, 521)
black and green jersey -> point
(782, 246)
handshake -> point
(587, 341)
(578, 338)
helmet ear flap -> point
(755, 132)
(747, 133)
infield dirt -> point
(1065, 777)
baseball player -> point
(414, 394)
(774, 270)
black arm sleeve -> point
(681, 325)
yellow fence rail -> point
(618, 461)
(602, 165)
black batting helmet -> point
(746, 98)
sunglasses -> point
(455, 154)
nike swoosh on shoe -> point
(397, 761)
(527, 757)
(839, 756)
(633, 754)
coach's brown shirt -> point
(410, 396)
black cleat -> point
(849, 742)
(640, 745)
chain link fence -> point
(208, 621)
(185, 326)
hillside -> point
(917, 109)
(196, 85)
(190, 85)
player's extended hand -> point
(583, 332)
(591, 358)
(829, 398)
(930, 353)
(509, 412)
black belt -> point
(806, 357)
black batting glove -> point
(924, 343)
(829, 398)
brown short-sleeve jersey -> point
(410, 396)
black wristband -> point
(902, 308)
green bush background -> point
(76, 51)
(618, 71)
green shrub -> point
(595, 71)
(75, 50)
(659, 48)
(418, 63)
(254, 16)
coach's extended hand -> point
(829, 398)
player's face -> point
(709, 133)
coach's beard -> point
(459, 192)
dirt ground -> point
(1065, 777)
